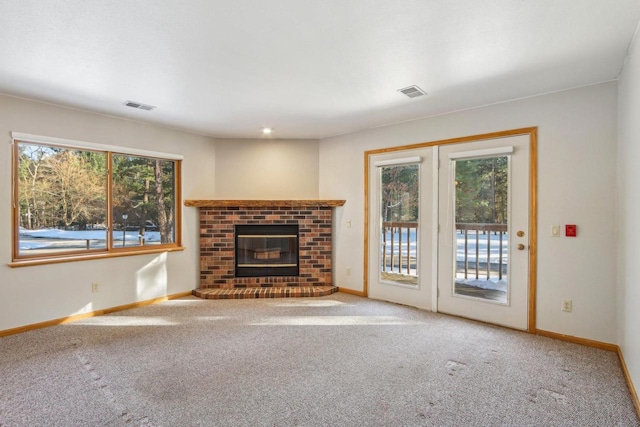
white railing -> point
(399, 247)
(481, 249)
(484, 250)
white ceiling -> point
(308, 68)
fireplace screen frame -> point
(291, 232)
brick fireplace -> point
(219, 220)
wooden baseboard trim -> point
(77, 317)
(352, 292)
(577, 340)
(632, 389)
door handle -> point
(520, 247)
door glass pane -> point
(481, 215)
(399, 196)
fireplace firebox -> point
(266, 250)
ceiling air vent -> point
(412, 91)
(139, 105)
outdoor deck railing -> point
(486, 230)
(397, 253)
(398, 260)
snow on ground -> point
(52, 237)
(494, 284)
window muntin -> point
(66, 200)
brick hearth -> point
(217, 254)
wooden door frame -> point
(533, 202)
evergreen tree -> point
(482, 190)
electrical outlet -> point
(348, 271)
(348, 223)
(94, 287)
(567, 305)
(555, 231)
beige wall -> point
(577, 180)
(266, 169)
(34, 294)
(629, 213)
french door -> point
(400, 227)
(448, 228)
(483, 244)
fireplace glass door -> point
(266, 250)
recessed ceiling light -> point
(267, 131)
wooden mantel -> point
(263, 203)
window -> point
(85, 199)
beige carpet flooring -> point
(338, 360)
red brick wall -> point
(217, 255)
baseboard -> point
(351, 292)
(577, 340)
(632, 389)
(77, 317)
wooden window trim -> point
(88, 257)
(91, 254)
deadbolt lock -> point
(520, 233)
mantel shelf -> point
(263, 203)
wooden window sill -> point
(102, 255)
